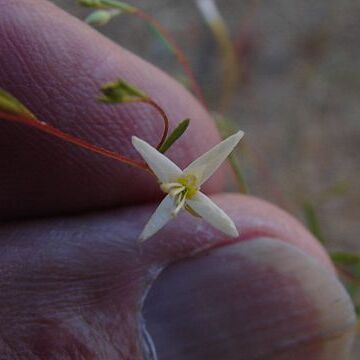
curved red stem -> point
(44, 127)
(177, 51)
(165, 118)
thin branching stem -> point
(170, 42)
(46, 128)
(165, 118)
(176, 50)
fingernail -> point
(257, 299)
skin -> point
(74, 281)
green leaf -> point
(175, 135)
(357, 310)
(101, 17)
(11, 105)
(116, 4)
(121, 91)
(351, 288)
(345, 258)
(108, 4)
(348, 265)
(312, 221)
(97, 4)
(243, 186)
(349, 262)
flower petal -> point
(159, 218)
(164, 168)
(207, 164)
(210, 212)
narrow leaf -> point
(121, 91)
(357, 310)
(175, 135)
(243, 186)
(108, 4)
(312, 221)
(226, 128)
(101, 17)
(116, 4)
(348, 265)
(11, 105)
(97, 4)
(345, 258)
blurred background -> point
(286, 72)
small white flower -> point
(183, 186)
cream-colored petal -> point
(211, 213)
(161, 216)
(207, 164)
(163, 168)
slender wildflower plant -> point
(108, 9)
(182, 187)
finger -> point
(259, 299)
(77, 285)
(55, 64)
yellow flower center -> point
(181, 189)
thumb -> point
(259, 299)
(81, 287)
(272, 294)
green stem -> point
(243, 187)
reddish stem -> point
(165, 118)
(44, 127)
(177, 51)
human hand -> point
(73, 276)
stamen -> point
(167, 187)
(180, 202)
(191, 184)
(184, 188)
(175, 192)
